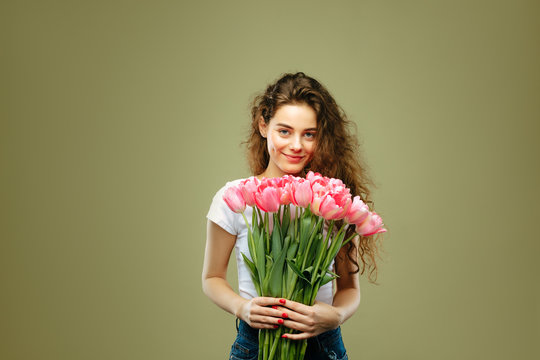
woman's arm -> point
(347, 297)
(219, 244)
(321, 317)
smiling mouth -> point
(294, 157)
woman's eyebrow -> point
(284, 125)
(290, 127)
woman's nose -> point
(296, 144)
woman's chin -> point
(293, 170)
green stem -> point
(296, 222)
(310, 241)
(324, 249)
(303, 349)
(259, 214)
(247, 225)
(275, 343)
(251, 242)
(261, 355)
(267, 231)
(265, 345)
(334, 244)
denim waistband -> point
(252, 334)
(247, 331)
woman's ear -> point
(263, 127)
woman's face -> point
(290, 136)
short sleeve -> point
(221, 214)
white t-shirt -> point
(234, 224)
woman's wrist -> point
(239, 308)
(340, 315)
(346, 303)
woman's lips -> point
(294, 158)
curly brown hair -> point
(337, 152)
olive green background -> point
(120, 120)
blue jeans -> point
(326, 346)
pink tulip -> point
(319, 183)
(286, 197)
(358, 211)
(283, 186)
(316, 203)
(248, 188)
(234, 199)
(342, 196)
(371, 225)
(314, 177)
(336, 184)
(334, 207)
(301, 194)
(318, 188)
(267, 198)
(328, 208)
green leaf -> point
(308, 292)
(334, 248)
(314, 248)
(286, 244)
(276, 275)
(327, 278)
(269, 262)
(255, 224)
(299, 295)
(296, 270)
(277, 245)
(291, 251)
(291, 229)
(260, 262)
(253, 273)
(308, 273)
(333, 273)
(305, 227)
(252, 268)
(286, 219)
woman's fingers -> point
(296, 312)
(309, 321)
(268, 312)
(300, 336)
(296, 306)
(268, 301)
(265, 311)
(259, 325)
(306, 326)
(264, 319)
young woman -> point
(296, 126)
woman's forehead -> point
(295, 116)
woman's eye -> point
(283, 132)
(310, 135)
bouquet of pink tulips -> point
(289, 253)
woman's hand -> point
(309, 320)
(263, 312)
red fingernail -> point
(284, 315)
(284, 336)
(282, 301)
(280, 321)
(275, 326)
(274, 307)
